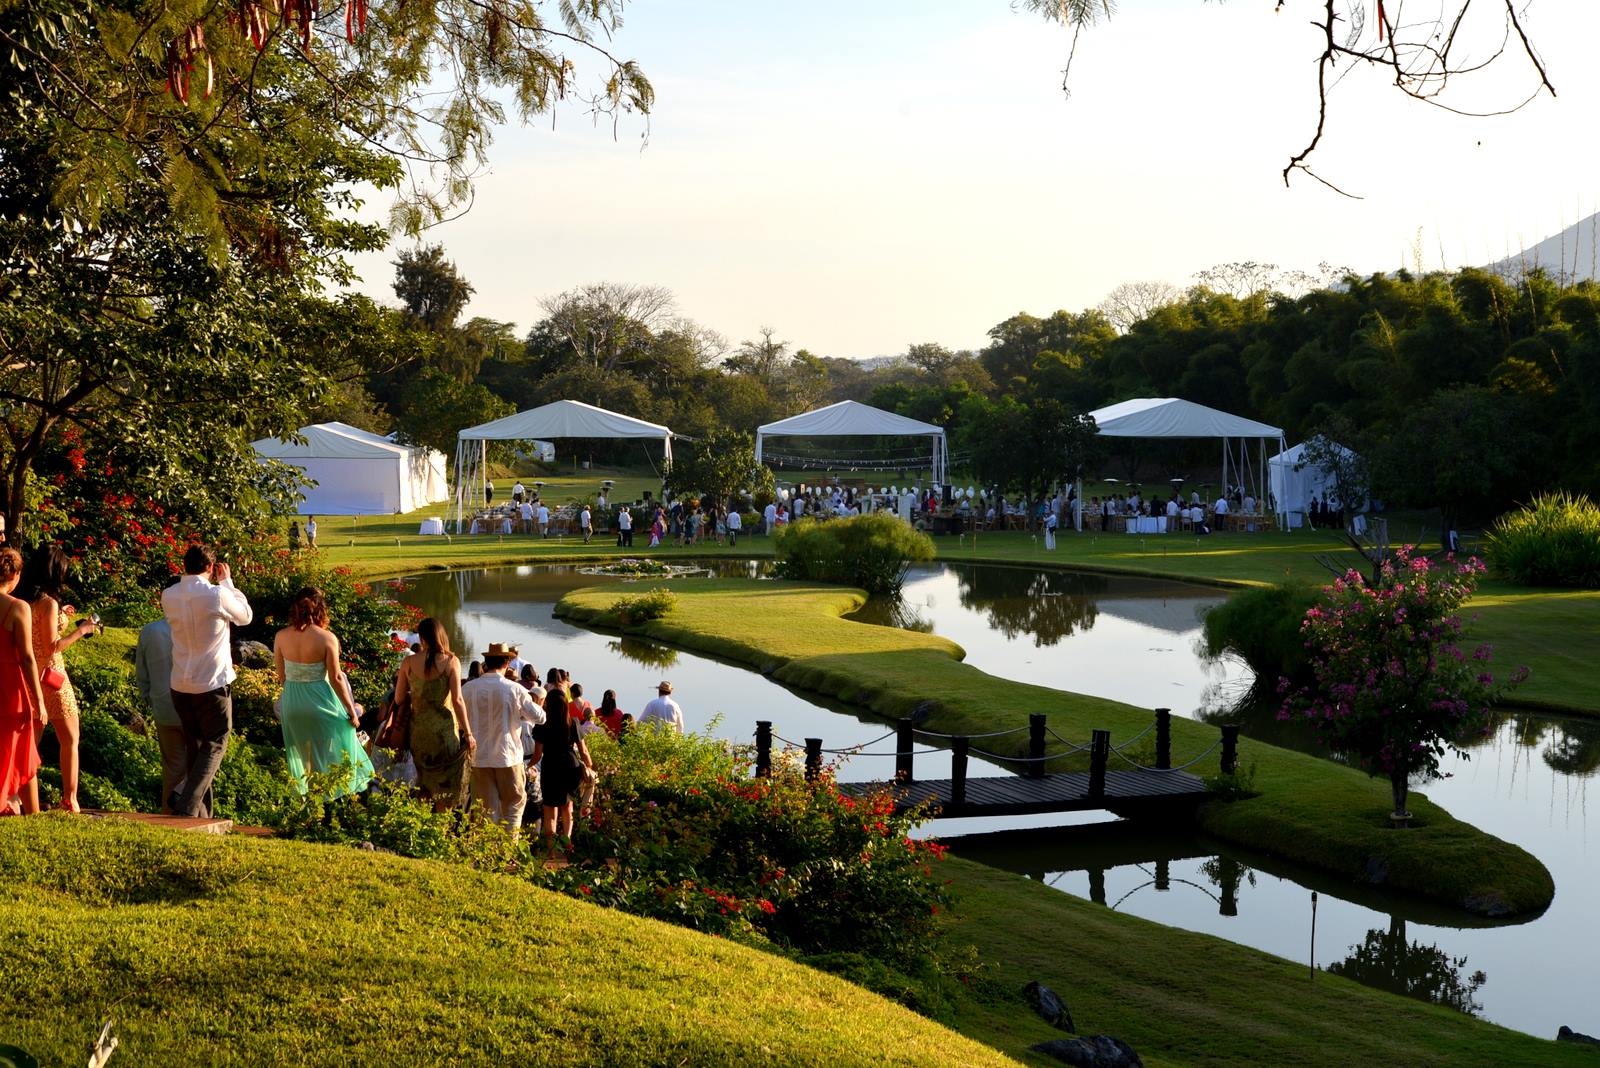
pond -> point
(1133, 640)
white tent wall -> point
(357, 472)
(1294, 481)
(354, 487)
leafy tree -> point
(764, 359)
(1025, 447)
(440, 407)
(430, 287)
(721, 465)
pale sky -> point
(862, 176)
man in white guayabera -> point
(663, 710)
(199, 609)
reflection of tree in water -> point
(1388, 961)
(649, 654)
(1574, 748)
(1228, 875)
(1049, 605)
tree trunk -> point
(1400, 785)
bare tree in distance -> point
(1244, 278)
(600, 321)
(764, 359)
(1421, 54)
(1132, 301)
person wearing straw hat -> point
(663, 710)
(497, 708)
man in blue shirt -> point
(152, 668)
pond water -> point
(1133, 640)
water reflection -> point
(640, 651)
(1390, 961)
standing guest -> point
(517, 663)
(529, 677)
(564, 763)
(441, 737)
(544, 520)
(519, 492)
(609, 715)
(294, 535)
(554, 682)
(318, 712)
(474, 669)
(152, 670)
(497, 708)
(625, 726)
(735, 524)
(1050, 523)
(311, 532)
(22, 707)
(586, 524)
(658, 529)
(488, 492)
(49, 620)
(769, 518)
(663, 709)
(625, 528)
(200, 609)
(525, 513)
(583, 710)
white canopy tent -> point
(1295, 479)
(1169, 417)
(357, 472)
(854, 419)
(562, 419)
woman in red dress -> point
(22, 706)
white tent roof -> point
(1169, 417)
(329, 441)
(1297, 455)
(564, 419)
(846, 418)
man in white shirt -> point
(625, 528)
(544, 520)
(586, 524)
(311, 532)
(497, 708)
(527, 517)
(735, 524)
(199, 610)
(518, 492)
(1172, 509)
(1221, 507)
(663, 710)
(770, 515)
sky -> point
(863, 176)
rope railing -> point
(855, 750)
(1181, 767)
(991, 734)
(1150, 727)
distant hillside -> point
(1570, 256)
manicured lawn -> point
(1308, 809)
(1191, 999)
(227, 950)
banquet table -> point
(1147, 524)
(491, 524)
(431, 526)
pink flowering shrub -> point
(1394, 687)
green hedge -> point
(1553, 541)
(869, 551)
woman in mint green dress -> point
(318, 712)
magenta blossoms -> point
(1393, 687)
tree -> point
(1025, 447)
(440, 407)
(1132, 301)
(1392, 687)
(721, 465)
(430, 287)
(606, 325)
(765, 359)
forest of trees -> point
(1465, 390)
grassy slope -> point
(1309, 810)
(312, 954)
(1182, 998)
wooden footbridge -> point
(1129, 789)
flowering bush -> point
(1393, 688)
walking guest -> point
(586, 524)
(152, 671)
(525, 511)
(50, 618)
(518, 492)
(311, 532)
(22, 707)
(735, 524)
(319, 714)
(564, 763)
(769, 517)
(544, 520)
(625, 528)
(488, 492)
(294, 535)
(441, 737)
(497, 708)
(663, 709)
(200, 609)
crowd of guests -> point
(490, 738)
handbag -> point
(52, 678)
(395, 733)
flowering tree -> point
(1393, 687)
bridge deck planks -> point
(1015, 795)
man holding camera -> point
(199, 610)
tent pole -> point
(458, 485)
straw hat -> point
(500, 649)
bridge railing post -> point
(1163, 875)
(958, 770)
(905, 742)
(1230, 748)
(1164, 738)
(763, 748)
(1036, 723)
(813, 759)
(1099, 755)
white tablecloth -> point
(432, 526)
(491, 526)
(1147, 524)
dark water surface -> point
(1134, 640)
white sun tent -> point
(853, 419)
(561, 419)
(1294, 481)
(1169, 417)
(356, 472)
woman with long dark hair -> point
(50, 618)
(318, 711)
(565, 762)
(609, 715)
(441, 737)
(22, 708)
